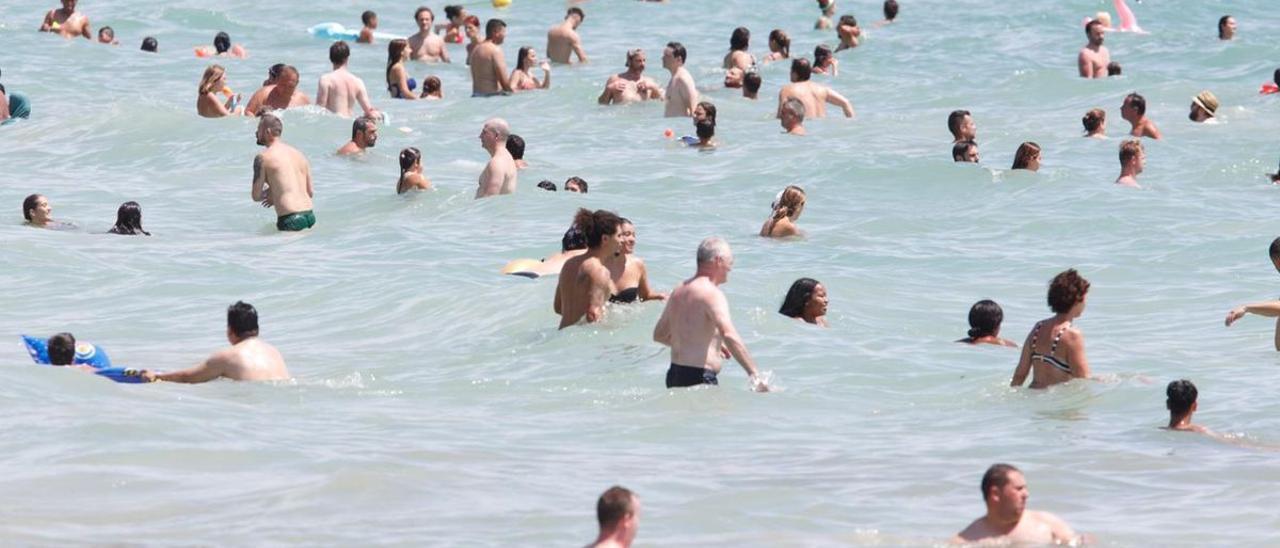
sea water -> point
(435, 403)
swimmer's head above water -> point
(36, 210)
(1067, 291)
(801, 70)
(129, 220)
(965, 152)
(242, 322)
(890, 9)
(62, 349)
(806, 299)
(600, 228)
(1181, 396)
(149, 44)
(575, 184)
(961, 125)
(1274, 253)
(222, 42)
(740, 40)
(985, 318)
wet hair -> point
(522, 58)
(678, 51)
(1129, 150)
(493, 26)
(1026, 151)
(573, 238)
(29, 204)
(985, 317)
(581, 184)
(614, 505)
(797, 297)
(274, 72)
(795, 107)
(891, 9)
(1180, 396)
(710, 109)
(367, 17)
(848, 21)
(395, 50)
(751, 82)
(430, 85)
(792, 199)
(211, 74)
(110, 32)
(954, 120)
(1093, 119)
(961, 149)
(222, 42)
(1088, 27)
(1066, 289)
(62, 349)
(1113, 69)
(596, 225)
(409, 157)
(129, 220)
(1274, 250)
(582, 16)
(821, 55)
(801, 69)
(712, 248)
(547, 185)
(515, 145)
(273, 123)
(778, 36)
(339, 52)
(149, 44)
(996, 476)
(452, 11)
(740, 40)
(1138, 102)
(1222, 26)
(242, 319)
(361, 125)
(705, 129)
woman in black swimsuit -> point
(1057, 356)
(629, 273)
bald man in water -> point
(500, 174)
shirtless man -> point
(618, 513)
(1094, 57)
(791, 115)
(248, 358)
(364, 135)
(814, 96)
(1181, 396)
(631, 86)
(1007, 520)
(499, 175)
(962, 127)
(282, 178)
(563, 40)
(66, 21)
(426, 45)
(848, 32)
(1132, 160)
(681, 93)
(339, 90)
(488, 66)
(1134, 111)
(585, 284)
(280, 95)
(1269, 309)
(696, 324)
(828, 8)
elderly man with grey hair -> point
(499, 176)
(696, 324)
(791, 115)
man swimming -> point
(848, 32)
(499, 175)
(1269, 309)
(282, 178)
(1204, 106)
(681, 93)
(631, 85)
(248, 359)
(563, 40)
(340, 90)
(278, 96)
(965, 151)
(370, 20)
(585, 284)
(1134, 111)
(962, 127)
(1094, 57)
(618, 513)
(814, 96)
(696, 326)
(364, 135)
(1007, 520)
(1181, 400)
(488, 66)
(791, 115)
(67, 22)
(515, 145)
(426, 45)
(1132, 161)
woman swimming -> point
(779, 46)
(522, 79)
(37, 211)
(411, 177)
(432, 89)
(824, 61)
(782, 222)
(628, 272)
(985, 317)
(1095, 124)
(1027, 157)
(806, 300)
(1058, 356)
(129, 220)
(207, 103)
(738, 60)
(397, 76)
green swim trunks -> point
(301, 220)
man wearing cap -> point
(1204, 107)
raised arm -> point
(546, 75)
(737, 349)
(1270, 309)
(834, 98)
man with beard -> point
(364, 134)
(1094, 57)
(282, 178)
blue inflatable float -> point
(335, 31)
(87, 354)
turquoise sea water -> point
(435, 403)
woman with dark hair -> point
(1027, 157)
(129, 220)
(806, 300)
(824, 61)
(985, 317)
(1095, 123)
(779, 46)
(1058, 356)
(585, 282)
(521, 77)
(37, 211)
(1226, 27)
(738, 60)
(629, 273)
(411, 177)
(398, 81)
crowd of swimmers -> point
(597, 265)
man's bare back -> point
(814, 97)
(562, 42)
(695, 340)
(488, 70)
(582, 289)
(286, 175)
(250, 360)
(340, 90)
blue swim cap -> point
(413, 84)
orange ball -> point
(668, 133)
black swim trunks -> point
(680, 376)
